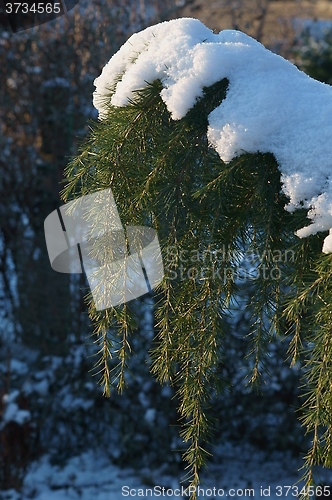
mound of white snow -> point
(270, 105)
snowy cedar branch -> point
(216, 142)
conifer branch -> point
(164, 174)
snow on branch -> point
(271, 106)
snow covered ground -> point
(91, 475)
(241, 472)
